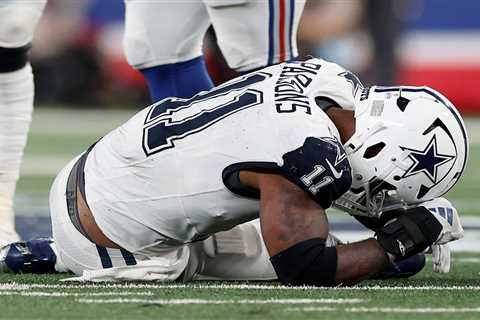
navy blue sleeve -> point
(320, 167)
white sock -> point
(16, 106)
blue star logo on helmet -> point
(427, 161)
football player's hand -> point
(448, 217)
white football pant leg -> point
(17, 24)
(236, 254)
(16, 105)
(94, 263)
(18, 19)
(163, 32)
(254, 34)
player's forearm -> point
(359, 261)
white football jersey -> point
(169, 175)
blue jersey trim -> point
(290, 28)
(271, 17)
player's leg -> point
(236, 254)
(254, 34)
(163, 39)
(240, 254)
(17, 23)
(96, 263)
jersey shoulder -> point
(320, 167)
(335, 83)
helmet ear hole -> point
(373, 150)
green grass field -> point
(425, 296)
(57, 135)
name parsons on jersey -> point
(291, 85)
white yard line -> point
(9, 292)
(466, 260)
(316, 309)
(413, 310)
(16, 286)
(388, 310)
(211, 301)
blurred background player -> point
(163, 39)
(363, 36)
(17, 23)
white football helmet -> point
(410, 145)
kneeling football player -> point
(281, 144)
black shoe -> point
(34, 256)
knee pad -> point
(12, 59)
(309, 262)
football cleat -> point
(34, 256)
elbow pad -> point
(306, 263)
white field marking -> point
(312, 309)
(414, 310)
(466, 260)
(16, 286)
(71, 294)
(207, 301)
(389, 310)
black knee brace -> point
(307, 263)
(12, 59)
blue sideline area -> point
(29, 227)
